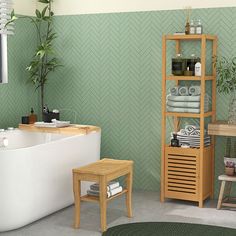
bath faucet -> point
(4, 142)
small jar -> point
(178, 65)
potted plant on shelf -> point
(226, 83)
(44, 60)
(229, 168)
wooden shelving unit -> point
(188, 174)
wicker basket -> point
(229, 171)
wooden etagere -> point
(188, 174)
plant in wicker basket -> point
(229, 168)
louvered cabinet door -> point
(181, 176)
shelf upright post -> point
(176, 119)
(202, 117)
(163, 136)
(213, 117)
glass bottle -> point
(174, 141)
(199, 28)
(178, 65)
(192, 28)
(187, 28)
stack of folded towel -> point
(112, 189)
(190, 136)
(186, 99)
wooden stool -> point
(102, 172)
(226, 183)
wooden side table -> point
(102, 172)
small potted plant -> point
(229, 168)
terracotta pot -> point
(229, 171)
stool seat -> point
(102, 172)
(227, 178)
(225, 189)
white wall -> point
(24, 7)
(72, 7)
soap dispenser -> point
(32, 117)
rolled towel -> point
(195, 133)
(194, 90)
(174, 91)
(190, 128)
(183, 91)
(183, 132)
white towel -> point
(194, 90)
(110, 193)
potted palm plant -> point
(44, 60)
(226, 83)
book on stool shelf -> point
(112, 189)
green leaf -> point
(12, 13)
(44, 1)
(38, 13)
(44, 11)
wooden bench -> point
(225, 189)
(102, 172)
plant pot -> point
(229, 171)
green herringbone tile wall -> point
(16, 97)
(112, 78)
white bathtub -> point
(36, 173)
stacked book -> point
(112, 189)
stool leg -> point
(76, 189)
(222, 189)
(129, 181)
(103, 202)
(228, 189)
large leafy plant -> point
(226, 75)
(44, 60)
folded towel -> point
(183, 104)
(183, 98)
(110, 186)
(110, 193)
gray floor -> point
(146, 207)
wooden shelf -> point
(191, 37)
(196, 78)
(191, 115)
(179, 163)
(88, 198)
(221, 128)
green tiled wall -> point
(112, 78)
(17, 97)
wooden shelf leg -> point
(222, 189)
(129, 180)
(103, 202)
(76, 190)
(200, 204)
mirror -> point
(3, 59)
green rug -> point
(168, 229)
